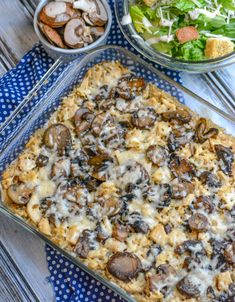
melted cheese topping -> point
(72, 195)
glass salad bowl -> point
(130, 33)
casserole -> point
(39, 114)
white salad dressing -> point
(146, 22)
(194, 14)
(126, 20)
(166, 38)
(166, 23)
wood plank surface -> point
(23, 276)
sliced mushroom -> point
(181, 167)
(87, 37)
(97, 31)
(177, 140)
(100, 121)
(103, 93)
(168, 228)
(198, 222)
(52, 35)
(85, 243)
(19, 193)
(58, 136)
(124, 266)
(202, 134)
(77, 194)
(205, 203)
(120, 232)
(86, 18)
(149, 261)
(129, 87)
(191, 263)
(99, 159)
(144, 118)
(180, 115)
(186, 287)
(210, 179)
(42, 160)
(137, 184)
(106, 104)
(225, 157)
(160, 195)
(181, 188)
(91, 183)
(73, 33)
(79, 166)
(104, 229)
(85, 5)
(135, 220)
(83, 119)
(194, 247)
(99, 16)
(157, 154)
(100, 163)
(110, 205)
(56, 14)
(61, 168)
(229, 253)
(163, 276)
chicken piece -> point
(218, 47)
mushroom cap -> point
(187, 288)
(83, 118)
(56, 14)
(202, 134)
(98, 16)
(179, 115)
(124, 266)
(57, 136)
(97, 31)
(85, 5)
(86, 18)
(73, 33)
(52, 35)
(198, 222)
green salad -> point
(191, 30)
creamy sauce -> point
(126, 20)
(166, 38)
(194, 14)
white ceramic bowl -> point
(70, 54)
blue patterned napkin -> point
(70, 283)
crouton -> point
(218, 47)
(150, 2)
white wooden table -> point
(27, 270)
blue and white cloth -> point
(70, 283)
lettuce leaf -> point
(137, 16)
(184, 5)
(191, 51)
(227, 30)
(164, 47)
(227, 4)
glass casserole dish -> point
(14, 136)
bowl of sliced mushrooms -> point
(71, 27)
